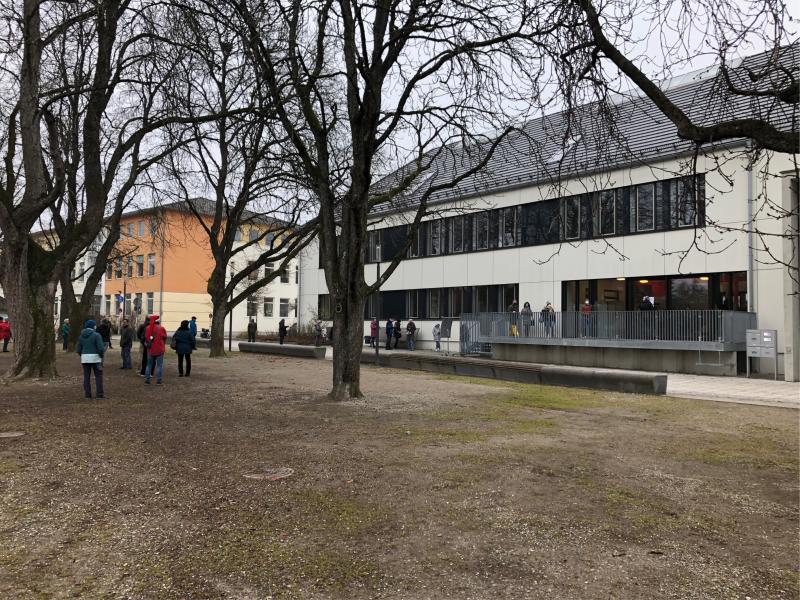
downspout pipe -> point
(751, 290)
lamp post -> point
(378, 303)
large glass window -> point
(572, 217)
(689, 293)
(324, 306)
(645, 207)
(413, 249)
(655, 290)
(433, 304)
(140, 265)
(481, 241)
(268, 307)
(508, 227)
(457, 234)
(610, 294)
(455, 302)
(434, 238)
(685, 206)
(412, 309)
(374, 246)
(607, 212)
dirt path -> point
(427, 487)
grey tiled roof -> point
(608, 135)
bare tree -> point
(86, 85)
(235, 175)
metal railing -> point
(709, 326)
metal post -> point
(230, 323)
(378, 308)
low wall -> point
(618, 381)
(670, 361)
(283, 349)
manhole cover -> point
(11, 434)
(272, 474)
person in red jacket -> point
(155, 337)
(5, 333)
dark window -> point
(413, 304)
(433, 304)
(481, 231)
(268, 306)
(374, 246)
(323, 306)
(284, 307)
(284, 276)
(393, 304)
(572, 217)
(109, 270)
(507, 227)
(252, 306)
(434, 238)
(151, 264)
(607, 205)
(689, 293)
(685, 207)
(645, 207)
(128, 267)
(140, 266)
(413, 249)
(457, 237)
(118, 270)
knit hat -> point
(89, 324)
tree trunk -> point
(348, 341)
(219, 314)
(30, 308)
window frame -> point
(269, 302)
(569, 200)
(435, 224)
(652, 188)
(151, 264)
(600, 212)
(458, 229)
(680, 192)
(284, 302)
(140, 265)
(481, 218)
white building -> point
(613, 219)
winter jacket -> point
(183, 341)
(193, 328)
(373, 329)
(156, 337)
(251, 328)
(437, 333)
(126, 336)
(65, 330)
(90, 346)
(104, 329)
(389, 328)
(5, 331)
(282, 329)
(140, 332)
(411, 327)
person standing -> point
(389, 333)
(549, 318)
(105, 332)
(251, 331)
(437, 336)
(373, 333)
(411, 329)
(586, 312)
(126, 336)
(193, 327)
(398, 332)
(65, 335)
(526, 315)
(317, 333)
(142, 346)
(155, 337)
(91, 348)
(183, 342)
(513, 309)
(282, 331)
(5, 333)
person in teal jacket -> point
(91, 349)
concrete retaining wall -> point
(283, 349)
(670, 361)
(618, 381)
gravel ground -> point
(428, 487)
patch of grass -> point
(427, 435)
(331, 511)
(757, 451)
(9, 465)
(554, 398)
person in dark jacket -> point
(398, 332)
(251, 331)
(126, 336)
(411, 330)
(65, 335)
(91, 348)
(142, 347)
(105, 332)
(193, 327)
(183, 342)
(389, 333)
(282, 330)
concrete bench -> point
(598, 379)
(283, 349)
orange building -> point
(164, 267)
